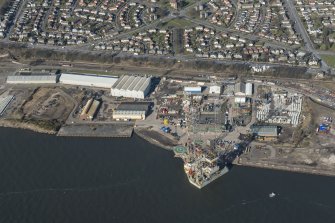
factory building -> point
(133, 111)
(249, 89)
(90, 110)
(32, 79)
(126, 115)
(265, 132)
(241, 100)
(243, 89)
(131, 87)
(239, 89)
(192, 90)
(90, 80)
(215, 89)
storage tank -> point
(248, 88)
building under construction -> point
(90, 109)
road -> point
(309, 46)
(17, 16)
(183, 14)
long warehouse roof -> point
(32, 78)
(89, 79)
(132, 83)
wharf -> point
(112, 130)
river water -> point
(46, 179)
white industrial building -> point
(91, 80)
(131, 87)
(243, 89)
(133, 111)
(240, 100)
(32, 79)
(133, 115)
(215, 89)
(249, 89)
(192, 90)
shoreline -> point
(144, 134)
(287, 168)
(25, 126)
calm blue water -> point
(51, 179)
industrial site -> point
(211, 124)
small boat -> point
(272, 195)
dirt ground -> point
(318, 114)
(48, 104)
(311, 152)
(329, 85)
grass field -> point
(330, 60)
(177, 23)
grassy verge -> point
(330, 60)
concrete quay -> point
(113, 130)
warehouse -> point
(242, 89)
(126, 115)
(90, 110)
(133, 111)
(249, 89)
(131, 87)
(91, 80)
(32, 79)
(239, 89)
(265, 132)
(192, 90)
(241, 100)
(215, 89)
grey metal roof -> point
(264, 130)
(139, 84)
(132, 83)
(32, 78)
(138, 106)
(145, 84)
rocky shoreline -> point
(26, 126)
(155, 138)
(287, 167)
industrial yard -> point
(210, 124)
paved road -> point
(293, 14)
(17, 16)
(183, 14)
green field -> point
(330, 60)
(2, 2)
(177, 23)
